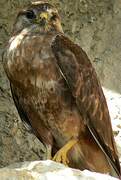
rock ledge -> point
(47, 170)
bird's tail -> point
(85, 156)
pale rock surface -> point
(47, 170)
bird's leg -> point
(61, 155)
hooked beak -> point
(43, 18)
(45, 15)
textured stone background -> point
(96, 26)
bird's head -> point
(40, 14)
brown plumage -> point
(57, 92)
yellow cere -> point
(44, 15)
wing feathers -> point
(82, 82)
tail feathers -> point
(111, 157)
(85, 156)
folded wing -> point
(82, 81)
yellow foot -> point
(61, 155)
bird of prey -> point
(57, 93)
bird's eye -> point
(30, 14)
